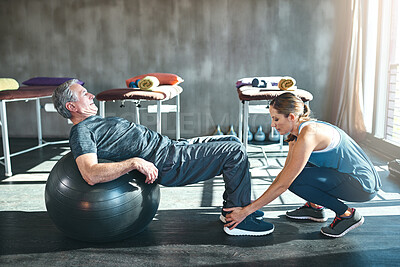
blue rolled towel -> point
(134, 84)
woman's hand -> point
(236, 216)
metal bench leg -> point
(159, 116)
(245, 122)
(6, 145)
(178, 117)
(240, 121)
(102, 105)
(137, 117)
(39, 122)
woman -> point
(339, 170)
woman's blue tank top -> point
(348, 157)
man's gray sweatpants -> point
(199, 159)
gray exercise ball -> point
(104, 212)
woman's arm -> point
(298, 155)
(94, 172)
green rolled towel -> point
(8, 84)
(148, 83)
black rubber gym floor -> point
(186, 230)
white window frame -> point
(376, 72)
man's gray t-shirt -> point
(117, 139)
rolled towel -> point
(148, 83)
(269, 83)
(8, 84)
(134, 84)
(281, 83)
(286, 83)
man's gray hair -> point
(62, 95)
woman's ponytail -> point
(306, 112)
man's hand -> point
(147, 168)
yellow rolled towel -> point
(8, 84)
(286, 83)
(148, 83)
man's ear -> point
(70, 106)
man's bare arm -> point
(94, 172)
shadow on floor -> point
(34, 232)
(27, 162)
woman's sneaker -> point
(307, 212)
(340, 226)
(258, 214)
(251, 226)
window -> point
(381, 74)
(392, 129)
